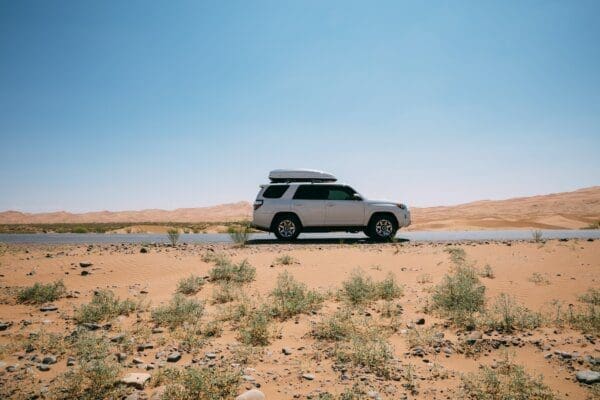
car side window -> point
(311, 192)
(338, 193)
(275, 191)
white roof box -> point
(300, 175)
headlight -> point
(402, 206)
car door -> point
(309, 204)
(342, 207)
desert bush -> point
(291, 297)
(215, 258)
(459, 296)
(42, 293)
(285, 259)
(370, 352)
(539, 279)
(507, 381)
(103, 306)
(202, 384)
(226, 291)
(537, 235)
(45, 342)
(95, 376)
(173, 236)
(239, 234)
(339, 326)
(507, 315)
(586, 319)
(255, 328)
(178, 311)
(487, 272)
(388, 289)
(229, 271)
(424, 278)
(592, 296)
(190, 285)
(424, 337)
(457, 255)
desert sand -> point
(569, 210)
(554, 351)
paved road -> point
(263, 238)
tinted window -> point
(275, 191)
(340, 193)
(311, 192)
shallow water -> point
(416, 236)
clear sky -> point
(164, 104)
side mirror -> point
(356, 197)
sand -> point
(571, 267)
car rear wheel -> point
(382, 227)
(286, 227)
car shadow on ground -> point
(301, 241)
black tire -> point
(286, 227)
(382, 227)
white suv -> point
(310, 201)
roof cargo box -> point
(300, 175)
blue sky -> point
(129, 105)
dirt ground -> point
(567, 269)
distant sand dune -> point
(569, 210)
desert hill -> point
(568, 210)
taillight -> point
(257, 204)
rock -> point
(12, 368)
(144, 346)
(174, 357)
(136, 379)
(588, 376)
(474, 337)
(121, 357)
(287, 351)
(70, 362)
(138, 361)
(43, 367)
(48, 307)
(49, 360)
(143, 250)
(248, 378)
(91, 326)
(4, 326)
(308, 377)
(117, 338)
(85, 273)
(85, 264)
(211, 356)
(253, 394)
(420, 321)
(158, 330)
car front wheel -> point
(382, 227)
(286, 227)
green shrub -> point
(424, 337)
(190, 285)
(239, 234)
(592, 296)
(179, 311)
(292, 298)
(586, 319)
(359, 289)
(202, 384)
(388, 289)
(173, 236)
(229, 271)
(104, 305)
(370, 352)
(457, 255)
(487, 272)
(339, 326)
(42, 293)
(459, 295)
(255, 327)
(539, 279)
(285, 259)
(507, 381)
(226, 291)
(506, 315)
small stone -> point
(174, 357)
(253, 394)
(117, 338)
(588, 376)
(144, 346)
(137, 361)
(43, 367)
(85, 264)
(211, 356)
(308, 377)
(136, 379)
(143, 250)
(91, 326)
(85, 273)
(287, 351)
(49, 307)
(474, 337)
(49, 360)
(70, 362)
(420, 321)
(158, 330)
(4, 326)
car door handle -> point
(330, 205)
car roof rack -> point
(300, 175)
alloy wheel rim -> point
(286, 228)
(384, 228)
